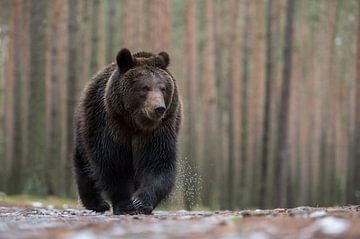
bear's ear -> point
(124, 60)
(164, 58)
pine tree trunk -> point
(354, 167)
(210, 112)
(36, 136)
(267, 100)
(282, 158)
(72, 86)
(53, 102)
(16, 170)
(112, 13)
(233, 102)
(190, 180)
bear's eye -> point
(145, 88)
(162, 88)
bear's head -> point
(140, 90)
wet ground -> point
(302, 222)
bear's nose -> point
(159, 110)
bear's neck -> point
(118, 127)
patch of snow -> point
(258, 235)
(118, 231)
(318, 214)
(182, 211)
(332, 225)
(253, 235)
(36, 204)
(82, 235)
(4, 227)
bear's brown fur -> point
(126, 131)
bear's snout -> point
(159, 110)
(155, 105)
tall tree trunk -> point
(221, 72)
(85, 34)
(101, 53)
(233, 101)
(267, 100)
(54, 101)
(72, 85)
(4, 22)
(8, 111)
(256, 97)
(210, 112)
(94, 56)
(26, 64)
(133, 24)
(246, 166)
(16, 173)
(160, 25)
(112, 13)
(191, 179)
(36, 136)
(354, 167)
(331, 103)
(282, 158)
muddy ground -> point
(302, 222)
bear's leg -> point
(155, 166)
(90, 195)
(153, 188)
(120, 194)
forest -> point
(270, 89)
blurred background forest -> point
(271, 93)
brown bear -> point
(126, 128)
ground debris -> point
(305, 222)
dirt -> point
(302, 222)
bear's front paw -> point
(141, 207)
(99, 206)
(124, 208)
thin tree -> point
(160, 20)
(282, 157)
(25, 90)
(85, 13)
(190, 182)
(16, 173)
(133, 25)
(36, 102)
(354, 166)
(94, 57)
(53, 101)
(210, 104)
(221, 73)
(72, 84)
(233, 101)
(267, 101)
(112, 13)
(246, 172)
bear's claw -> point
(142, 208)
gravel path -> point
(301, 222)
